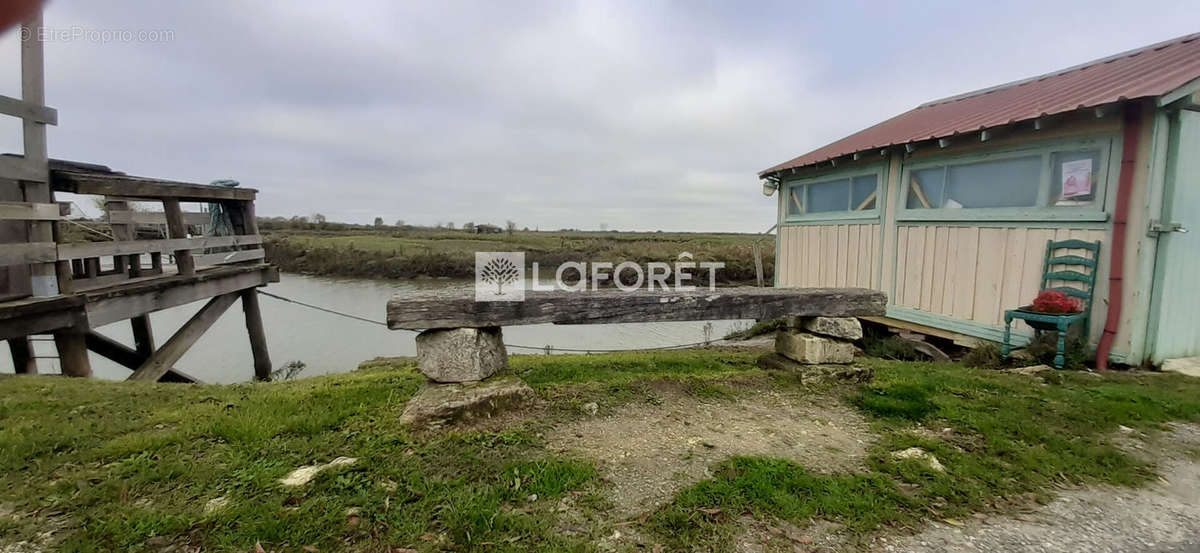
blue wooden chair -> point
(1066, 272)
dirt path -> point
(1162, 517)
(651, 451)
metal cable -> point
(518, 346)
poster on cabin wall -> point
(1076, 178)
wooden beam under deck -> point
(91, 309)
(183, 339)
(128, 357)
(125, 302)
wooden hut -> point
(54, 287)
(948, 207)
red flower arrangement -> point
(1050, 301)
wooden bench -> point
(460, 339)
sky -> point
(642, 115)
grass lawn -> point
(132, 466)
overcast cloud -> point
(638, 115)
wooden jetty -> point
(51, 286)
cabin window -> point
(1058, 181)
(848, 195)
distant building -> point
(488, 229)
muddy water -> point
(332, 344)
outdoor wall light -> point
(769, 187)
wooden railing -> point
(84, 266)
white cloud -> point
(634, 114)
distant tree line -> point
(318, 221)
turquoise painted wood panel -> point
(1174, 326)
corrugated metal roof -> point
(1151, 71)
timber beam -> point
(458, 308)
(142, 188)
(109, 305)
(183, 339)
(128, 357)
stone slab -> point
(813, 374)
(440, 404)
(812, 349)
(846, 328)
(461, 354)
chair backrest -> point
(1071, 261)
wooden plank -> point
(842, 245)
(183, 339)
(901, 281)
(101, 249)
(876, 258)
(113, 350)
(828, 256)
(224, 258)
(20, 168)
(143, 188)
(29, 252)
(176, 229)
(93, 282)
(25, 211)
(951, 282)
(927, 272)
(258, 336)
(458, 308)
(854, 253)
(143, 335)
(1014, 270)
(989, 277)
(758, 266)
(43, 277)
(128, 357)
(39, 323)
(73, 353)
(30, 111)
(957, 338)
(966, 267)
(109, 305)
(937, 281)
(23, 359)
(191, 218)
(914, 280)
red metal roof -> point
(1150, 71)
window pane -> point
(829, 196)
(1078, 170)
(795, 200)
(861, 189)
(925, 188)
(1003, 183)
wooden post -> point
(22, 355)
(758, 266)
(177, 229)
(143, 335)
(258, 337)
(123, 231)
(72, 352)
(183, 339)
(62, 268)
(42, 275)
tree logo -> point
(499, 276)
